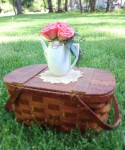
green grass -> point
(104, 48)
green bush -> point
(6, 7)
(36, 6)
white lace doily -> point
(72, 76)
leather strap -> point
(13, 98)
(96, 119)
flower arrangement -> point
(62, 32)
(59, 30)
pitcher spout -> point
(44, 47)
(43, 44)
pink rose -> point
(61, 25)
(59, 30)
(65, 33)
(50, 31)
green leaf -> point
(81, 56)
(72, 48)
(69, 43)
(76, 35)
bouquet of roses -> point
(58, 30)
(63, 32)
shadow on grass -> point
(29, 17)
(84, 29)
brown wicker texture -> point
(61, 106)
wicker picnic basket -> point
(79, 105)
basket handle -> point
(13, 98)
(102, 124)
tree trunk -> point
(19, 7)
(66, 5)
(50, 6)
(108, 4)
(80, 3)
(0, 9)
(87, 6)
(59, 6)
(71, 4)
(92, 5)
(44, 3)
(13, 4)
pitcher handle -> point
(76, 59)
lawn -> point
(104, 48)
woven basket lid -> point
(94, 81)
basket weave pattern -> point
(62, 112)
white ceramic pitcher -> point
(58, 57)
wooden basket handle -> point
(13, 98)
(102, 124)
